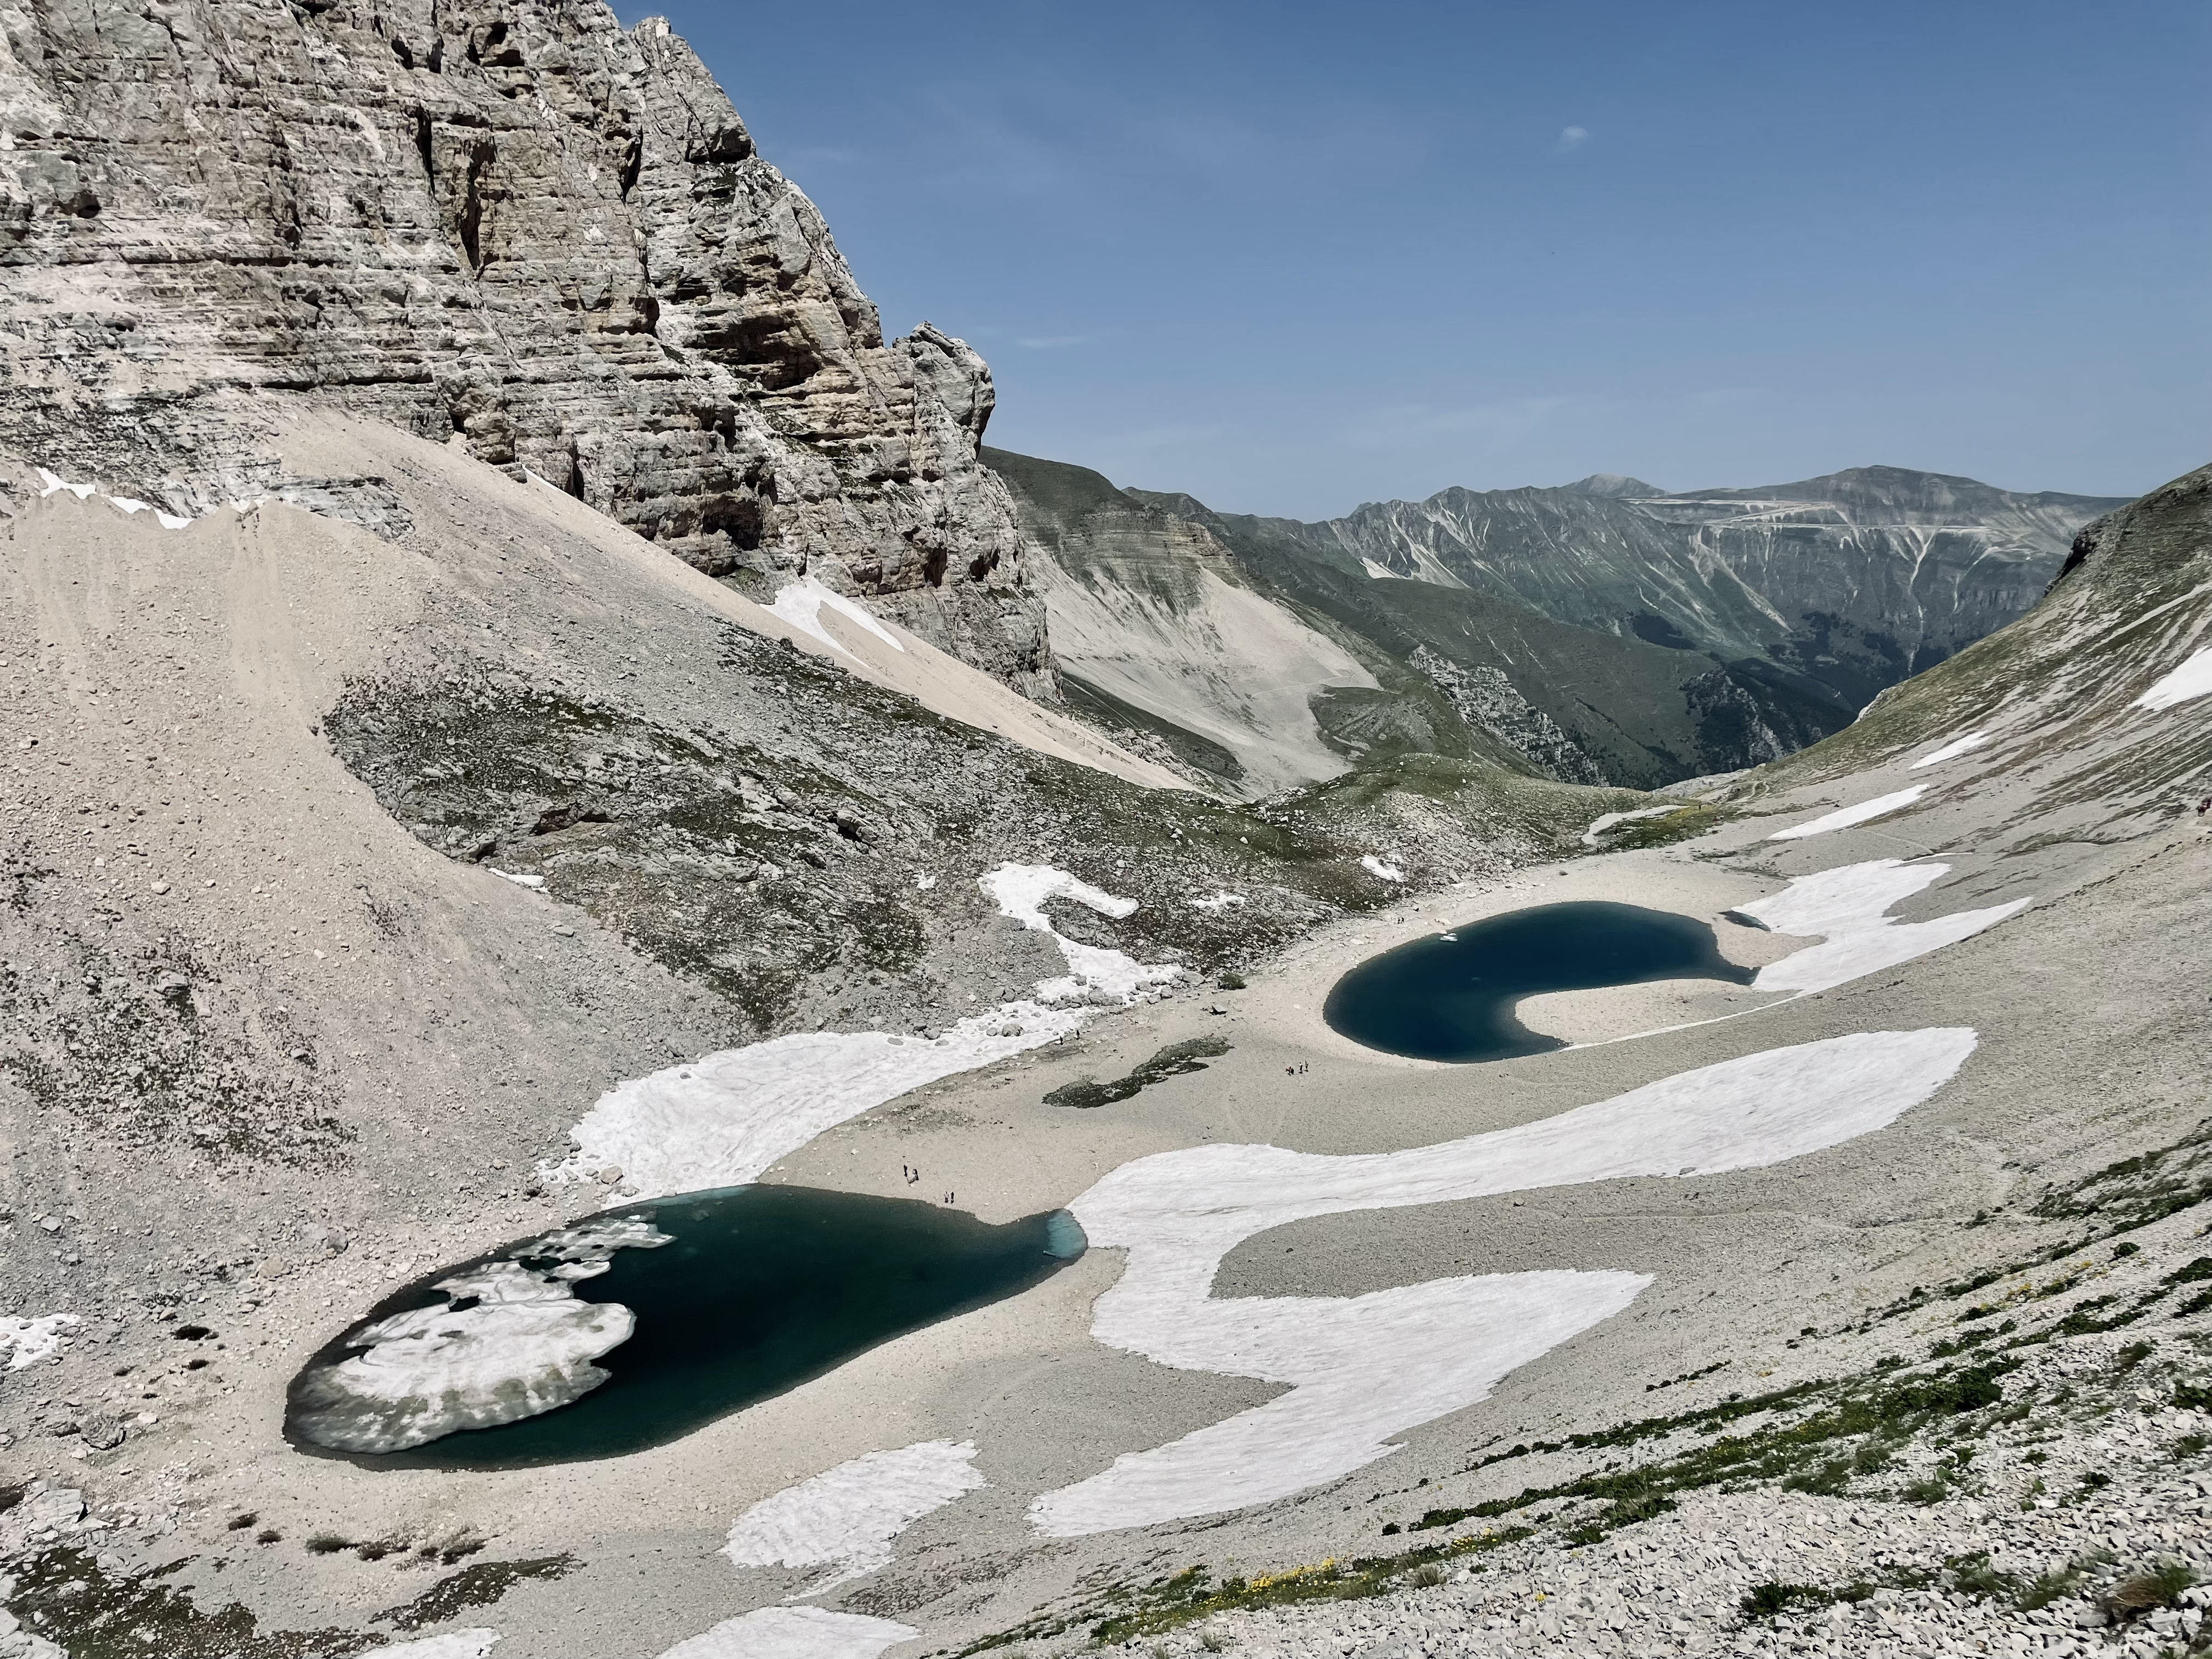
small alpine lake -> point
(1452, 996)
(635, 1327)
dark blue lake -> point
(1452, 998)
(754, 1291)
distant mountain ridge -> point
(1600, 630)
(1613, 484)
(1843, 584)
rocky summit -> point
(519, 228)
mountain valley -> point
(530, 723)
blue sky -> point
(1294, 257)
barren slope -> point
(305, 1132)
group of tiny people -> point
(914, 1176)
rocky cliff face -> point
(510, 224)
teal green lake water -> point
(761, 1288)
(1452, 998)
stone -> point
(516, 227)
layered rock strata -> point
(510, 224)
(1830, 588)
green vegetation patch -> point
(778, 862)
(1123, 1611)
(474, 1586)
(1686, 824)
(65, 1596)
(1880, 1410)
(2135, 1192)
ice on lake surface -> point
(731, 1296)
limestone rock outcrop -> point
(511, 224)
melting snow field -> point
(454, 1644)
(1364, 1367)
(2193, 679)
(513, 1341)
(722, 1120)
(802, 603)
(848, 1515)
(1020, 891)
(795, 1633)
(1844, 910)
(52, 483)
(27, 1342)
(1375, 867)
(1843, 817)
(1951, 750)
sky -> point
(1294, 257)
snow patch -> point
(1844, 908)
(723, 1120)
(925, 881)
(536, 884)
(52, 483)
(1217, 902)
(1606, 821)
(1951, 750)
(1377, 572)
(1375, 867)
(801, 605)
(1020, 891)
(848, 1515)
(454, 1644)
(27, 1342)
(795, 1633)
(2193, 679)
(524, 1345)
(1843, 817)
(1364, 1367)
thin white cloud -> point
(1510, 417)
(1572, 138)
